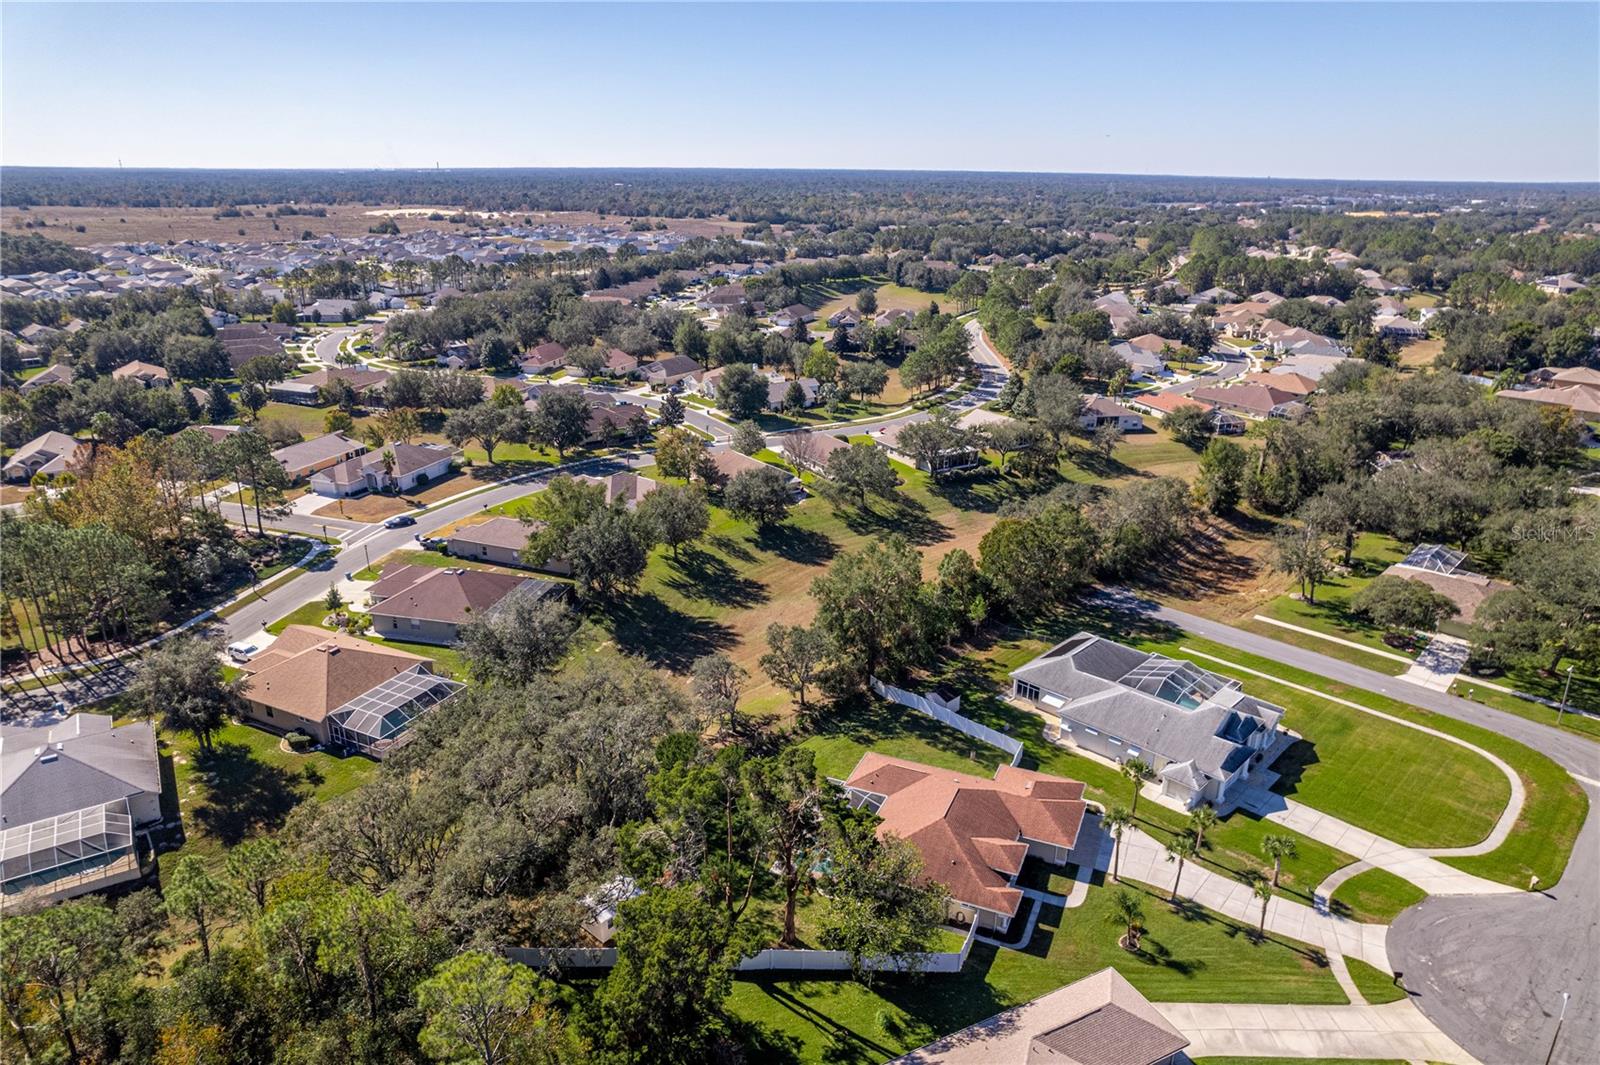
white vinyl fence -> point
(774, 960)
(949, 713)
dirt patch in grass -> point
(1420, 354)
(11, 493)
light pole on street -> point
(1564, 997)
(1565, 688)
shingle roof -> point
(503, 532)
(95, 764)
(311, 672)
(1112, 1035)
(429, 593)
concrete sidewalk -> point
(1395, 1030)
(1408, 863)
(1144, 859)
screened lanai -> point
(94, 843)
(379, 720)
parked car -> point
(241, 651)
(399, 521)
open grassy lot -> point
(1375, 896)
(244, 787)
(1375, 985)
(1189, 955)
(1330, 614)
(446, 660)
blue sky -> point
(1427, 91)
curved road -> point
(1489, 970)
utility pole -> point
(1565, 688)
(1564, 997)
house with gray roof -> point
(48, 453)
(74, 798)
(1199, 731)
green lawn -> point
(1375, 985)
(446, 660)
(1583, 724)
(1376, 896)
(1191, 955)
(1552, 813)
(1330, 613)
(244, 787)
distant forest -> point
(828, 197)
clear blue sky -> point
(1428, 91)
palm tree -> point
(1137, 770)
(1262, 891)
(1126, 911)
(1278, 848)
(1180, 848)
(1117, 820)
(1201, 819)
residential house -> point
(1399, 327)
(624, 485)
(892, 316)
(1268, 297)
(341, 691)
(544, 358)
(147, 374)
(1101, 1019)
(301, 460)
(500, 540)
(50, 454)
(1103, 410)
(1388, 306)
(1216, 295)
(1200, 732)
(1295, 384)
(414, 465)
(793, 315)
(811, 450)
(620, 364)
(75, 799)
(778, 391)
(1142, 363)
(1253, 401)
(845, 316)
(1582, 399)
(328, 310)
(307, 388)
(1313, 366)
(427, 604)
(1560, 376)
(725, 299)
(215, 433)
(59, 374)
(973, 834)
(664, 373)
(1560, 284)
(1329, 302)
(957, 459)
(1445, 571)
(1286, 339)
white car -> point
(242, 651)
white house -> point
(415, 465)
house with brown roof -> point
(146, 373)
(973, 834)
(1103, 410)
(307, 388)
(1252, 401)
(340, 690)
(664, 373)
(1583, 400)
(309, 456)
(58, 374)
(1445, 571)
(1099, 1020)
(620, 364)
(544, 358)
(1283, 381)
(624, 485)
(429, 604)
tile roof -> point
(970, 830)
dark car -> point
(399, 521)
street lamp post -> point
(1565, 688)
(1564, 997)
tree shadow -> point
(244, 796)
(731, 546)
(1291, 766)
(906, 518)
(703, 575)
(664, 636)
(990, 490)
(807, 547)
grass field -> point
(1375, 985)
(1330, 614)
(1191, 955)
(1375, 896)
(244, 787)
